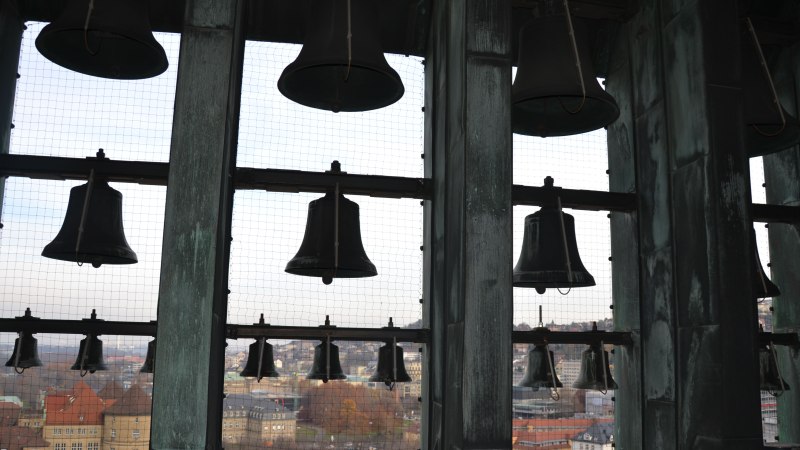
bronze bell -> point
(90, 356)
(338, 73)
(326, 363)
(543, 262)
(769, 127)
(391, 368)
(150, 359)
(25, 354)
(104, 38)
(102, 240)
(260, 362)
(330, 249)
(553, 93)
(769, 376)
(595, 371)
(763, 287)
(541, 369)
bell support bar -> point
(155, 173)
(416, 335)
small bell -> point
(260, 362)
(150, 359)
(92, 232)
(90, 356)
(549, 256)
(541, 369)
(104, 38)
(770, 377)
(26, 353)
(341, 66)
(595, 372)
(332, 246)
(391, 367)
(326, 363)
(555, 92)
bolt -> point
(609, 258)
(610, 306)
(608, 171)
(422, 155)
(421, 248)
(12, 126)
(421, 301)
(766, 225)
(608, 215)
(18, 75)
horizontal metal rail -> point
(277, 180)
(541, 336)
(416, 335)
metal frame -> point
(276, 180)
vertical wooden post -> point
(188, 385)
(782, 175)
(468, 156)
(11, 28)
(699, 370)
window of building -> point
(136, 434)
(77, 446)
(61, 446)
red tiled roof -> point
(112, 390)
(81, 407)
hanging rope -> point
(86, 29)
(571, 32)
(767, 74)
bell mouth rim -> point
(521, 124)
(156, 52)
(390, 98)
(89, 258)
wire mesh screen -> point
(544, 418)
(130, 119)
(288, 410)
(85, 393)
(769, 413)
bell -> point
(330, 249)
(595, 372)
(326, 363)
(770, 377)
(336, 72)
(391, 368)
(150, 358)
(260, 363)
(552, 95)
(104, 38)
(770, 128)
(763, 287)
(543, 262)
(25, 354)
(103, 238)
(90, 356)
(541, 370)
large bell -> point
(150, 359)
(391, 368)
(543, 262)
(595, 372)
(90, 356)
(330, 249)
(765, 132)
(763, 287)
(769, 376)
(104, 38)
(547, 98)
(326, 363)
(103, 238)
(541, 370)
(337, 73)
(260, 361)
(25, 354)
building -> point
(126, 423)
(268, 423)
(21, 438)
(599, 436)
(74, 419)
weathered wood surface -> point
(187, 396)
